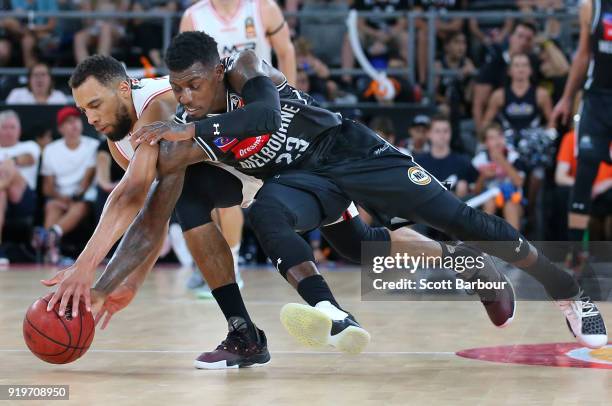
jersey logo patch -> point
(249, 27)
(225, 143)
(250, 146)
(607, 26)
(418, 176)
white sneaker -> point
(324, 325)
(584, 321)
(236, 257)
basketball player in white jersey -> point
(237, 25)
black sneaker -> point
(324, 325)
(499, 301)
(584, 321)
(238, 350)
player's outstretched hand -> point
(74, 281)
(106, 307)
(159, 130)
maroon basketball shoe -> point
(495, 292)
(239, 350)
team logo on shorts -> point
(419, 176)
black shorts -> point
(26, 206)
(595, 127)
(206, 187)
(359, 165)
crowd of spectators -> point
(496, 80)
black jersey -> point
(519, 113)
(303, 123)
(599, 77)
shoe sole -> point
(223, 364)
(311, 327)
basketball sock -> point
(314, 290)
(230, 302)
(558, 283)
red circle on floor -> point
(570, 355)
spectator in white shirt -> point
(39, 90)
(18, 168)
(68, 170)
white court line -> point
(272, 352)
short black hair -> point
(440, 117)
(191, 47)
(105, 69)
(527, 24)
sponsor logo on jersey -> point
(135, 84)
(280, 148)
(418, 176)
(519, 109)
(228, 50)
(249, 27)
(250, 146)
(225, 143)
(607, 26)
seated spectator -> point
(455, 92)
(520, 105)
(417, 132)
(493, 74)
(102, 32)
(565, 175)
(382, 38)
(550, 27)
(444, 26)
(384, 127)
(39, 31)
(39, 89)
(108, 174)
(554, 67)
(489, 31)
(18, 169)
(442, 162)
(498, 167)
(68, 170)
(147, 33)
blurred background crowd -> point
(475, 82)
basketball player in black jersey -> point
(592, 67)
(208, 187)
(310, 153)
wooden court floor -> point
(145, 356)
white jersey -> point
(143, 92)
(244, 30)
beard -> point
(123, 125)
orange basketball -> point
(55, 339)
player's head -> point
(102, 90)
(195, 71)
(493, 137)
(440, 131)
(10, 128)
(522, 37)
(520, 67)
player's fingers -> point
(65, 299)
(87, 299)
(76, 297)
(50, 282)
(99, 316)
(56, 296)
(107, 320)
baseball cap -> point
(420, 120)
(66, 112)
